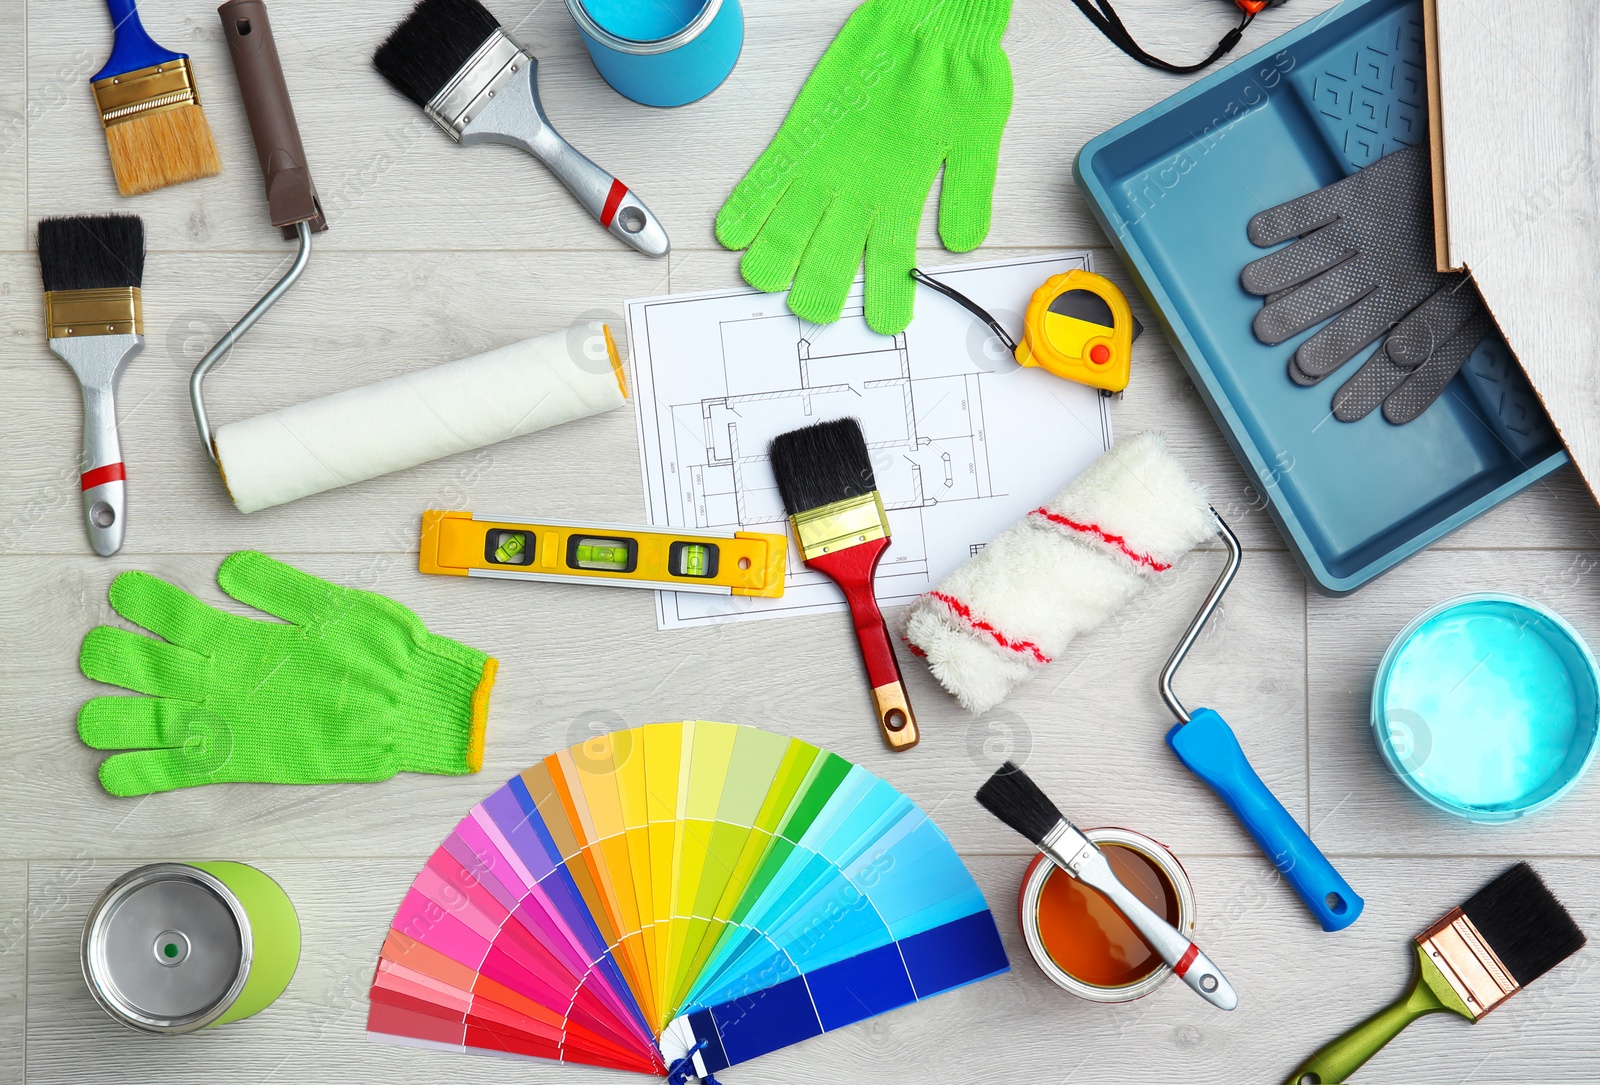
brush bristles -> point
(1015, 799)
(821, 464)
(91, 252)
(425, 51)
(164, 147)
(1524, 923)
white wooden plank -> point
(15, 105)
(391, 181)
(13, 968)
(579, 658)
(352, 320)
(1015, 1027)
(1521, 199)
(1357, 805)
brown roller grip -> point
(291, 195)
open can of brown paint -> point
(1081, 941)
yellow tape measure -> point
(564, 551)
(1078, 326)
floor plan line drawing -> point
(720, 375)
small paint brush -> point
(155, 129)
(452, 58)
(825, 479)
(1012, 796)
(92, 266)
(1506, 935)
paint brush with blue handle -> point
(155, 129)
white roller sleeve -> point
(1062, 570)
(401, 422)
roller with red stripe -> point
(1062, 570)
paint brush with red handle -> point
(825, 479)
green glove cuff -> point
(960, 24)
(445, 709)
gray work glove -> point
(1419, 358)
(1365, 252)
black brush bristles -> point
(1015, 799)
(1524, 923)
(422, 54)
(91, 252)
(821, 464)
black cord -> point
(1105, 19)
(968, 304)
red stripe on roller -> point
(1186, 960)
(613, 201)
(111, 472)
(1106, 537)
(962, 611)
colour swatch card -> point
(678, 897)
(964, 441)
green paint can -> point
(177, 947)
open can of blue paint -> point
(666, 53)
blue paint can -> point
(1488, 706)
(666, 53)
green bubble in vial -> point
(511, 545)
(694, 558)
(600, 555)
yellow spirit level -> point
(564, 551)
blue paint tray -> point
(1174, 188)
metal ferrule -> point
(844, 523)
(115, 310)
(1467, 963)
(494, 65)
(140, 93)
(1067, 848)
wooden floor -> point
(436, 252)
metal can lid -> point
(166, 948)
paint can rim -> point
(636, 47)
(96, 969)
(1033, 887)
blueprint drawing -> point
(963, 440)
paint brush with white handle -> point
(452, 58)
(1015, 799)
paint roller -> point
(394, 424)
(1063, 570)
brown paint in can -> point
(1081, 941)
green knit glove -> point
(907, 85)
(353, 688)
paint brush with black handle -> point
(1012, 796)
(1506, 935)
(92, 267)
(452, 58)
(825, 478)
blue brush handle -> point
(1207, 745)
(133, 48)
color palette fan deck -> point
(674, 899)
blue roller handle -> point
(133, 48)
(1208, 746)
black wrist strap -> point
(1104, 17)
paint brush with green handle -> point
(1506, 935)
